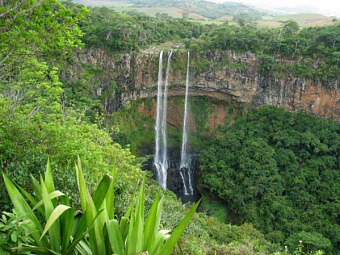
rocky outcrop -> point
(221, 75)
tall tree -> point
(34, 33)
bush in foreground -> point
(95, 230)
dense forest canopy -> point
(114, 31)
(280, 171)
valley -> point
(216, 13)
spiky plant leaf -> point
(152, 223)
(49, 178)
(51, 196)
(55, 215)
(115, 237)
(54, 230)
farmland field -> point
(304, 19)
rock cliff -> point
(224, 76)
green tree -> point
(278, 170)
(290, 27)
(42, 28)
(34, 34)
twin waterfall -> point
(161, 158)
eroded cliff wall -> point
(122, 78)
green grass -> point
(215, 208)
(119, 6)
(98, 3)
(225, 18)
(173, 12)
(306, 19)
(303, 19)
(208, 22)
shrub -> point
(95, 230)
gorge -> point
(223, 76)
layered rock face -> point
(221, 75)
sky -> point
(327, 7)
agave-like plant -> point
(95, 231)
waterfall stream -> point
(161, 157)
(186, 158)
(157, 159)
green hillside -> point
(303, 19)
(306, 19)
(207, 12)
(196, 9)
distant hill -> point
(204, 8)
(209, 12)
(303, 19)
(195, 8)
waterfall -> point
(161, 154)
(186, 159)
(165, 107)
(161, 157)
(157, 159)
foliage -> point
(315, 48)
(36, 28)
(36, 120)
(214, 208)
(26, 143)
(267, 63)
(200, 108)
(113, 31)
(206, 234)
(278, 170)
(311, 242)
(224, 238)
(95, 231)
(13, 231)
